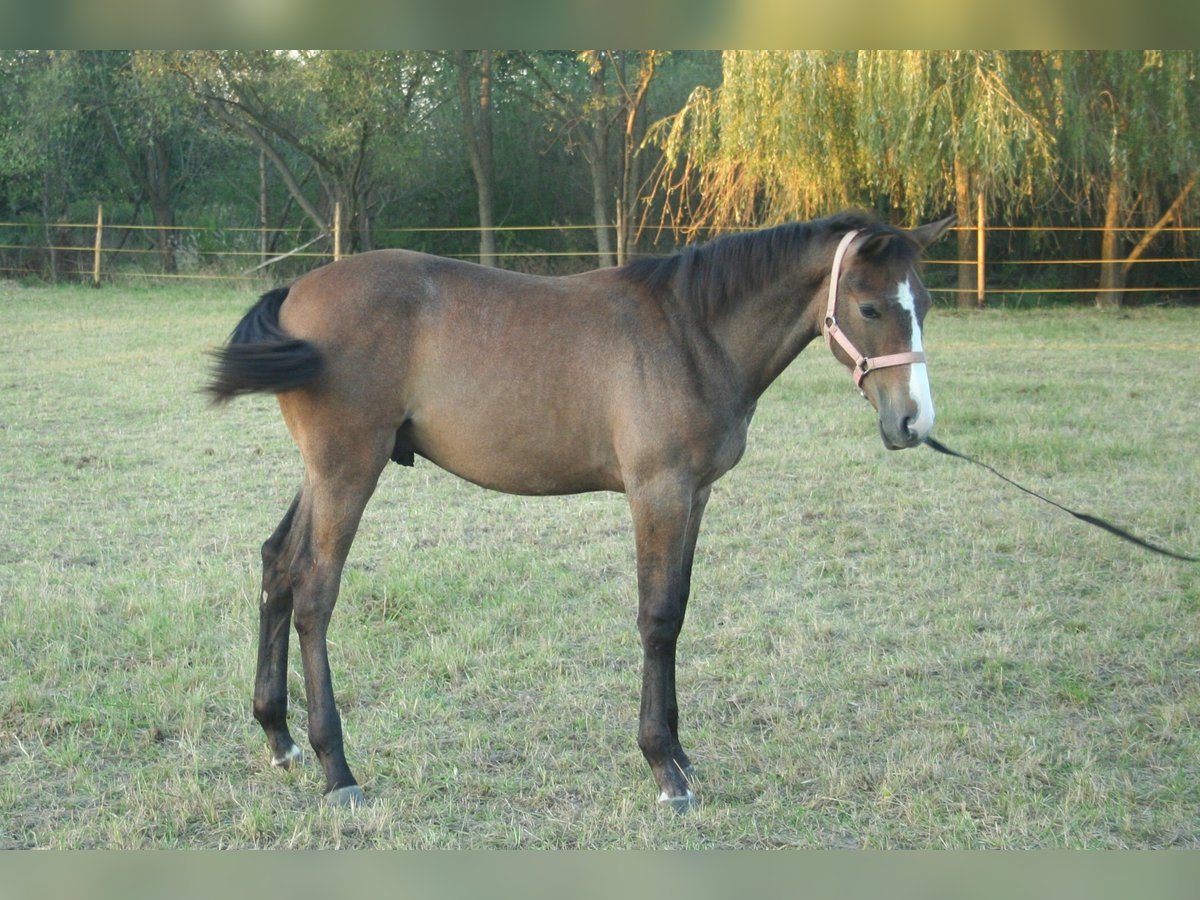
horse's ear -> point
(927, 234)
(873, 245)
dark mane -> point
(708, 274)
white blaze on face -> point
(918, 379)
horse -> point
(640, 379)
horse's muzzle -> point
(900, 436)
(905, 407)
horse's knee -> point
(270, 551)
(277, 570)
(660, 626)
(276, 582)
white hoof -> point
(349, 797)
(678, 805)
(292, 756)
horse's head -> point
(874, 313)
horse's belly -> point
(517, 457)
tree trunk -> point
(479, 145)
(630, 169)
(966, 239)
(366, 240)
(158, 185)
(598, 161)
(164, 218)
(1112, 275)
(1165, 219)
(264, 219)
(50, 233)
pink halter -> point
(862, 364)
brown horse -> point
(640, 379)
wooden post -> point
(337, 231)
(980, 255)
(99, 244)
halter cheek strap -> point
(833, 332)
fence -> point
(1012, 265)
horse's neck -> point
(763, 330)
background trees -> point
(1100, 139)
(1129, 136)
(609, 139)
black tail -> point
(260, 356)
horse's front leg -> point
(665, 532)
(699, 502)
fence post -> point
(99, 243)
(337, 231)
(980, 255)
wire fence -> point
(1011, 265)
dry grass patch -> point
(887, 650)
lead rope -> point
(1083, 517)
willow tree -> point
(775, 141)
(791, 133)
(964, 125)
(1129, 128)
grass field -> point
(883, 649)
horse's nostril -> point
(906, 426)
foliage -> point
(1102, 138)
(790, 133)
(607, 138)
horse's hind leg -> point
(274, 623)
(339, 480)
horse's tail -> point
(261, 357)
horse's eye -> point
(868, 312)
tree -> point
(476, 106)
(341, 115)
(46, 146)
(632, 102)
(957, 123)
(149, 119)
(587, 96)
(1129, 135)
(571, 90)
(792, 133)
(775, 141)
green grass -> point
(883, 650)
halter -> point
(862, 364)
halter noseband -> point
(862, 364)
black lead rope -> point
(1083, 517)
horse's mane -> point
(707, 275)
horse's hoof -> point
(288, 759)
(349, 797)
(679, 805)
